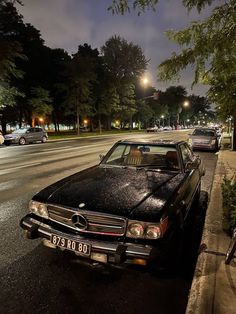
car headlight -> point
(143, 230)
(135, 230)
(38, 208)
(153, 232)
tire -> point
(216, 148)
(44, 139)
(197, 195)
(22, 141)
(7, 143)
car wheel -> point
(216, 148)
(22, 141)
(44, 139)
(7, 143)
(197, 195)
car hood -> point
(12, 135)
(118, 191)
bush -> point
(229, 203)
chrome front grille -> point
(98, 223)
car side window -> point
(186, 153)
(38, 130)
(31, 130)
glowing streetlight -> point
(41, 120)
(85, 121)
(144, 81)
(186, 104)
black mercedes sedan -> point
(131, 208)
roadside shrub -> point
(229, 203)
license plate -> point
(78, 247)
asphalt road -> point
(35, 279)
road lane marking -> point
(52, 149)
(12, 169)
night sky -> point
(69, 23)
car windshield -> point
(143, 155)
(20, 131)
(204, 132)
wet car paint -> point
(116, 191)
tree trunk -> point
(78, 120)
(131, 122)
(99, 124)
(108, 123)
(234, 133)
(20, 116)
(4, 125)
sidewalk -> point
(214, 284)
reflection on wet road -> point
(36, 279)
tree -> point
(56, 82)
(122, 6)
(124, 63)
(10, 51)
(173, 98)
(39, 103)
(82, 74)
(144, 113)
(127, 103)
(209, 46)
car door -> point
(38, 134)
(29, 135)
(191, 167)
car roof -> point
(161, 142)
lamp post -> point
(163, 120)
(185, 105)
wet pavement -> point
(36, 279)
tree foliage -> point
(123, 6)
(123, 61)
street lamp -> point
(163, 120)
(186, 104)
(144, 81)
(41, 120)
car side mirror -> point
(190, 166)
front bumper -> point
(117, 252)
(203, 146)
(11, 140)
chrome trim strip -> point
(133, 250)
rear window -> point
(204, 132)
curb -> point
(202, 292)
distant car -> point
(152, 129)
(131, 208)
(205, 138)
(1, 138)
(24, 136)
(167, 128)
